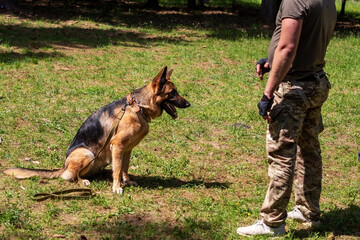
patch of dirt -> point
(344, 140)
(230, 61)
(67, 47)
(71, 219)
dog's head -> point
(166, 94)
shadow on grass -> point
(11, 57)
(41, 43)
(132, 14)
(76, 37)
(242, 18)
(133, 20)
(220, 23)
(133, 226)
(340, 222)
(122, 224)
(348, 26)
(155, 182)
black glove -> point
(264, 105)
(262, 62)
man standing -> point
(295, 91)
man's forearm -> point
(281, 65)
(284, 54)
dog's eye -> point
(173, 93)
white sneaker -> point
(260, 228)
(297, 215)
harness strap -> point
(134, 103)
(111, 134)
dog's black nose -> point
(187, 104)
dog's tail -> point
(21, 173)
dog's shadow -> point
(155, 182)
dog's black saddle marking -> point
(91, 130)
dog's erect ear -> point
(168, 75)
(160, 80)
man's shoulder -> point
(303, 8)
(296, 9)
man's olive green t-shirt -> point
(319, 18)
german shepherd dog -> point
(92, 149)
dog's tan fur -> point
(150, 101)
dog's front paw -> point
(117, 190)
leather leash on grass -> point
(74, 193)
(78, 193)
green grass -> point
(200, 176)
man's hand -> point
(262, 67)
(264, 106)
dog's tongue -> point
(171, 110)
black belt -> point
(311, 78)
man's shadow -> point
(154, 182)
(340, 222)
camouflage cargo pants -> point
(293, 149)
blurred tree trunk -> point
(195, 4)
(234, 3)
(152, 3)
(342, 12)
(10, 5)
(268, 11)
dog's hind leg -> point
(125, 168)
(77, 159)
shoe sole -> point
(268, 234)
